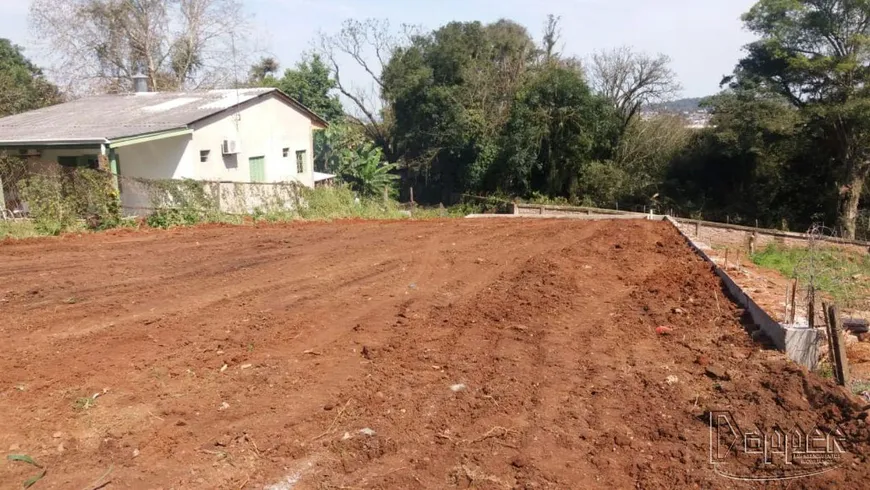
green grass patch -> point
(17, 229)
(84, 403)
(859, 387)
(825, 370)
(330, 203)
(843, 275)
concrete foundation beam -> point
(801, 344)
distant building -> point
(698, 119)
(245, 135)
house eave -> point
(49, 143)
(147, 137)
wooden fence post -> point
(811, 306)
(793, 298)
(838, 346)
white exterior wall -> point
(169, 158)
(263, 129)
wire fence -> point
(826, 271)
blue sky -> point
(704, 37)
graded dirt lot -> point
(471, 354)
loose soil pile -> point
(442, 354)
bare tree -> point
(552, 35)
(365, 48)
(99, 45)
(631, 80)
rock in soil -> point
(717, 373)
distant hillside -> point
(679, 106)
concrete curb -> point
(800, 344)
(582, 217)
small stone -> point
(224, 406)
(702, 361)
(622, 440)
(247, 366)
(717, 373)
(224, 368)
(328, 407)
(135, 453)
(61, 448)
(518, 462)
(458, 387)
(181, 423)
(672, 380)
(367, 432)
(57, 435)
(346, 436)
(678, 311)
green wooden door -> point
(258, 169)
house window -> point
(86, 161)
(285, 152)
(300, 161)
(203, 155)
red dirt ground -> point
(327, 329)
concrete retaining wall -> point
(801, 344)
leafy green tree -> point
(310, 82)
(644, 155)
(756, 162)
(450, 93)
(262, 73)
(557, 127)
(815, 53)
(23, 87)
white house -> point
(244, 135)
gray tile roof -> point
(116, 116)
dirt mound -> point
(442, 354)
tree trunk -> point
(850, 197)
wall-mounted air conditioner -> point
(230, 147)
